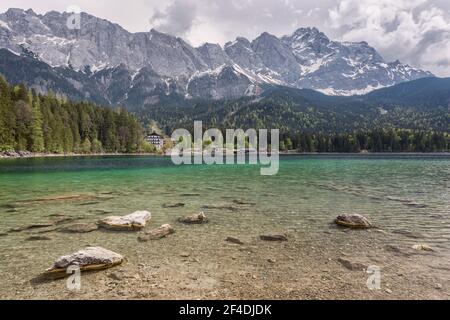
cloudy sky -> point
(415, 31)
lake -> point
(406, 196)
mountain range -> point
(105, 63)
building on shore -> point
(156, 140)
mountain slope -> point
(426, 93)
(302, 110)
(43, 78)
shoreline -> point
(29, 155)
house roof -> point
(154, 134)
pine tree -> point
(7, 118)
(37, 135)
(86, 146)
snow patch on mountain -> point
(356, 92)
(4, 25)
(165, 64)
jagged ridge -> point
(139, 68)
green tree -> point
(86, 146)
(37, 135)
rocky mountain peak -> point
(14, 13)
(166, 64)
(213, 55)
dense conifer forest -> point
(47, 124)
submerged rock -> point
(423, 247)
(117, 276)
(175, 205)
(134, 221)
(352, 265)
(408, 234)
(157, 234)
(274, 237)
(416, 205)
(44, 231)
(31, 227)
(80, 228)
(395, 249)
(38, 238)
(91, 203)
(90, 258)
(71, 197)
(234, 240)
(355, 221)
(64, 219)
(101, 211)
(243, 202)
(194, 219)
(220, 207)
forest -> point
(48, 124)
(377, 140)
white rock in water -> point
(353, 221)
(423, 247)
(194, 219)
(157, 234)
(134, 221)
(90, 258)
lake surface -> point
(406, 196)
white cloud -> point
(178, 18)
(414, 31)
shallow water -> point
(406, 196)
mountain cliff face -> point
(102, 60)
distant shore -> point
(26, 154)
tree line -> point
(373, 140)
(376, 140)
(48, 124)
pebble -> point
(38, 238)
(234, 240)
(116, 276)
(423, 247)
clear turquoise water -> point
(393, 190)
(408, 192)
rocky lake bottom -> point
(50, 207)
